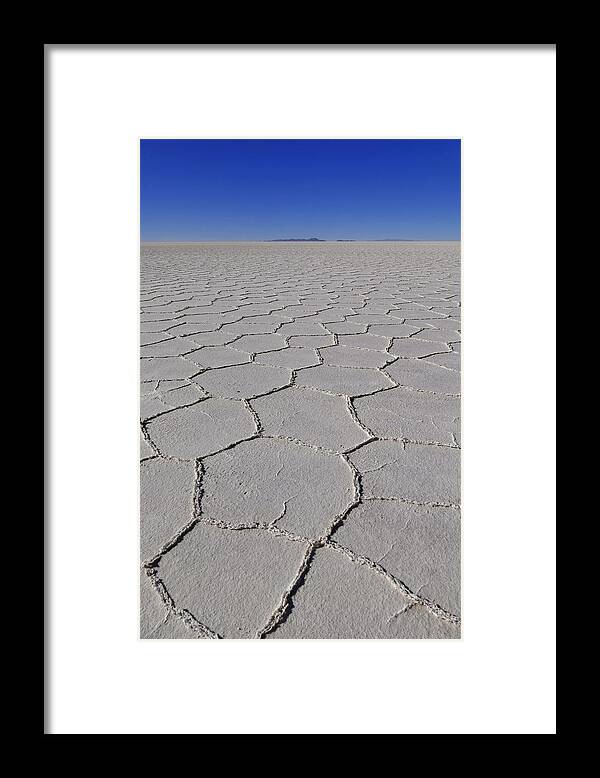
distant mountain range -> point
(339, 240)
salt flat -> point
(300, 440)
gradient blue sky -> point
(330, 189)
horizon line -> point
(308, 240)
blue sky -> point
(329, 189)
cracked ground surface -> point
(300, 440)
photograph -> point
(300, 388)
(259, 422)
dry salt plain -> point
(300, 449)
